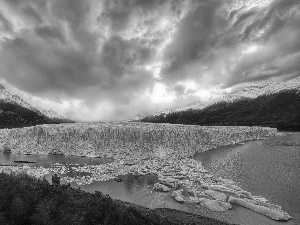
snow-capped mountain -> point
(6, 96)
(52, 114)
(249, 92)
(137, 117)
(49, 115)
(272, 104)
(266, 89)
(193, 105)
(15, 112)
(55, 116)
(279, 109)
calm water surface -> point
(269, 168)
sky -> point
(110, 60)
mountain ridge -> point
(272, 104)
(15, 99)
(254, 91)
(15, 112)
(14, 115)
(50, 113)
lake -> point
(268, 167)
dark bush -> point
(26, 200)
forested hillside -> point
(280, 110)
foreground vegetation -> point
(27, 200)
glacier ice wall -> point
(109, 139)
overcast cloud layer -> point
(110, 60)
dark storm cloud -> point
(56, 70)
(97, 51)
(277, 30)
(196, 33)
(50, 32)
(179, 90)
(120, 55)
(66, 72)
(55, 60)
(31, 10)
(271, 19)
(72, 11)
(120, 13)
(244, 16)
(32, 13)
(66, 50)
(5, 25)
(210, 40)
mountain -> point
(136, 118)
(55, 116)
(15, 112)
(6, 96)
(14, 115)
(269, 88)
(273, 104)
(193, 105)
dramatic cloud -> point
(212, 43)
(111, 60)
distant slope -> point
(193, 105)
(273, 105)
(6, 96)
(14, 115)
(54, 116)
(253, 92)
(136, 118)
(29, 117)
